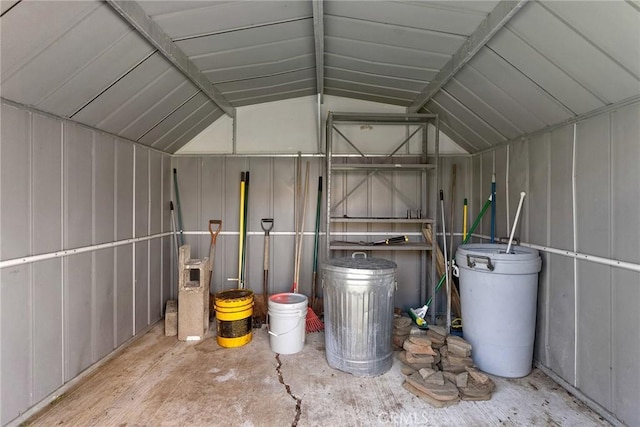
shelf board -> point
(383, 166)
(409, 246)
(390, 220)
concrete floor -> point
(159, 381)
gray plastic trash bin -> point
(499, 293)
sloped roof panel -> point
(250, 71)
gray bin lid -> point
(369, 266)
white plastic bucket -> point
(287, 319)
(499, 293)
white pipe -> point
(515, 221)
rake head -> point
(314, 324)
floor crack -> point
(286, 387)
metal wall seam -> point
(576, 306)
(506, 189)
(133, 247)
(115, 251)
(62, 269)
(548, 242)
(148, 232)
(30, 275)
(94, 322)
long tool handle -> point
(446, 268)
(515, 222)
(471, 230)
(493, 208)
(244, 228)
(465, 209)
(212, 246)
(240, 228)
(265, 272)
(316, 245)
(178, 207)
(304, 209)
(175, 229)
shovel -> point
(267, 225)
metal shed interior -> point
(101, 99)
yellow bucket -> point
(234, 309)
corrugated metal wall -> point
(583, 192)
(209, 189)
(65, 187)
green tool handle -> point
(178, 208)
(471, 230)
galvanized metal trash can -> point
(358, 314)
(499, 293)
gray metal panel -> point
(384, 69)
(183, 116)
(155, 192)
(246, 37)
(20, 46)
(375, 52)
(501, 194)
(539, 103)
(248, 71)
(168, 247)
(212, 203)
(104, 187)
(392, 35)
(543, 72)
(561, 297)
(281, 267)
(370, 89)
(15, 180)
(103, 321)
(156, 306)
(588, 18)
(15, 366)
(275, 97)
(574, 55)
(500, 100)
(186, 134)
(518, 182)
(417, 15)
(78, 192)
(77, 314)
(124, 294)
(6, 5)
(484, 131)
(143, 110)
(66, 54)
(47, 184)
(141, 286)
(97, 75)
(625, 246)
(593, 201)
(47, 328)
(224, 16)
(255, 54)
(374, 79)
(484, 110)
(279, 80)
(141, 192)
(187, 169)
(475, 143)
(118, 95)
(124, 190)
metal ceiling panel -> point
(392, 35)
(481, 127)
(117, 95)
(246, 38)
(309, 83)
(374, 90)
(250, 71)
(98, 74)
(384, 69)
(64, 56)
(479, 6)
(384, 54)
(544, 72)
(529, 95)
(240, 102)
(180, 120)
(219, 17)
(459, 91)
(179, 137)
(258, 53)
(6, 5)
(493, 95)
(365, 96)
(417, 15)
(587, 18)
(25, 35)
(575, 55)
(374, 79)
(473, 140)
(269, 81)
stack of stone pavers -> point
(438, 367)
